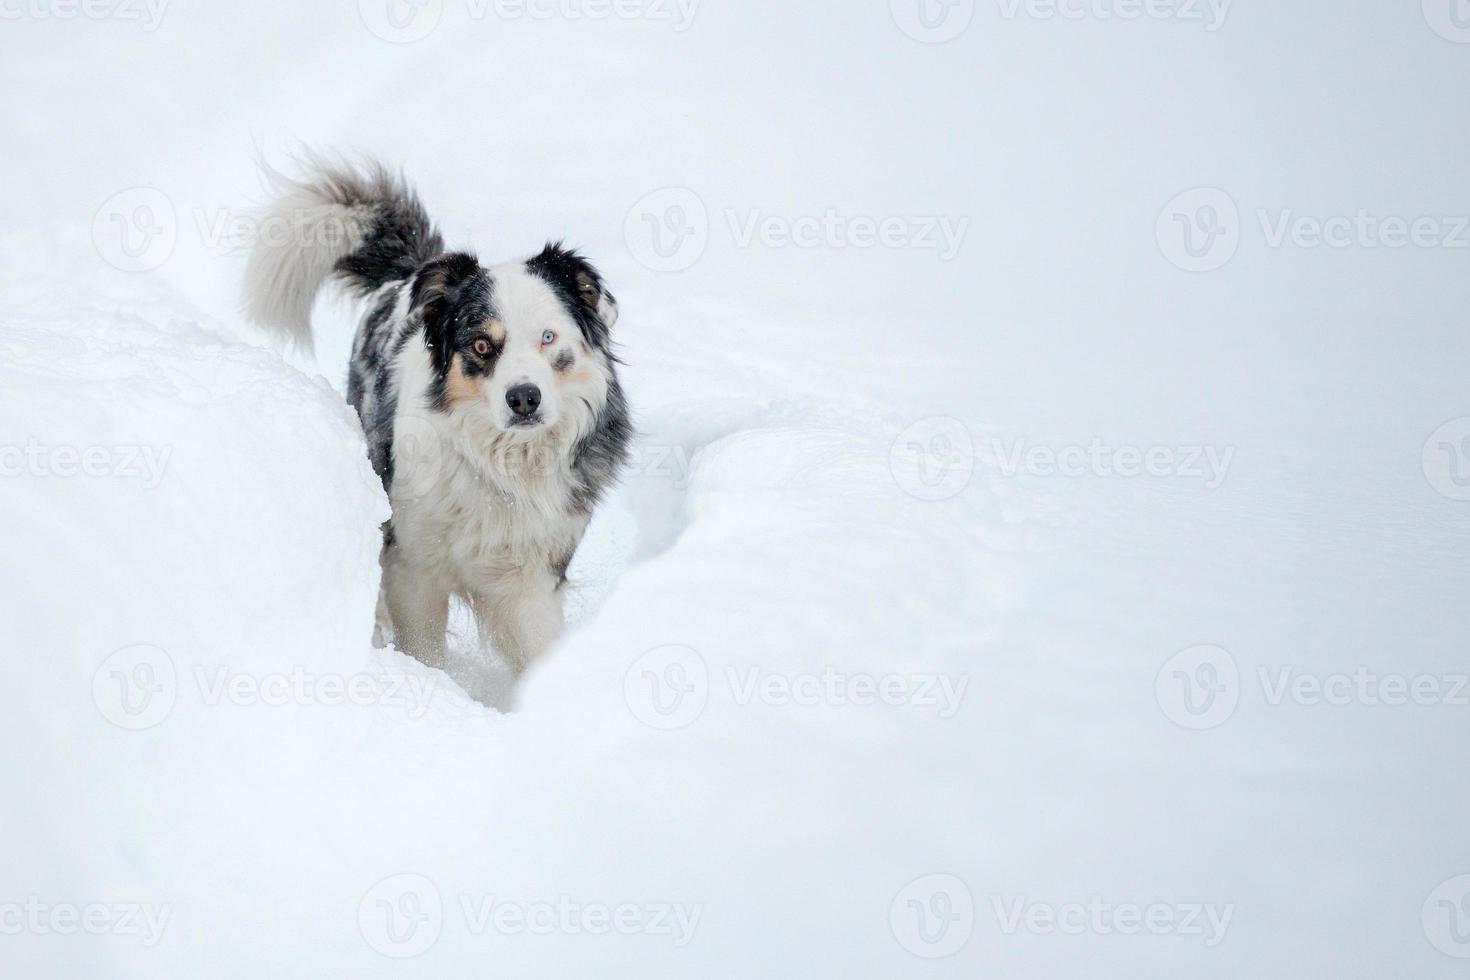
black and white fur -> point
(491, 493)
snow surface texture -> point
(856, 685)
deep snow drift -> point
(1039, 609)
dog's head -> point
(521, 345)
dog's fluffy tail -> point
(359, 223)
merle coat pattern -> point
(489, 396)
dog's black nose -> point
(523, 399)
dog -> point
(489, 397)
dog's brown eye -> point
(482, 347)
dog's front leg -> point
(418, 605)
(521, 616)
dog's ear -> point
(441, 290)
(581, 288)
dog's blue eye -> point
(548, 338)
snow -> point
(925, 676)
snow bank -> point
(212, 735)
(848, 690)
(181, 508)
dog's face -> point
(519, 346)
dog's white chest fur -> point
(482, 497)
(479, 515)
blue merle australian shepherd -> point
(488, 394)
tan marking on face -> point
(496, 330)
(580, 373)
(458, 386)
